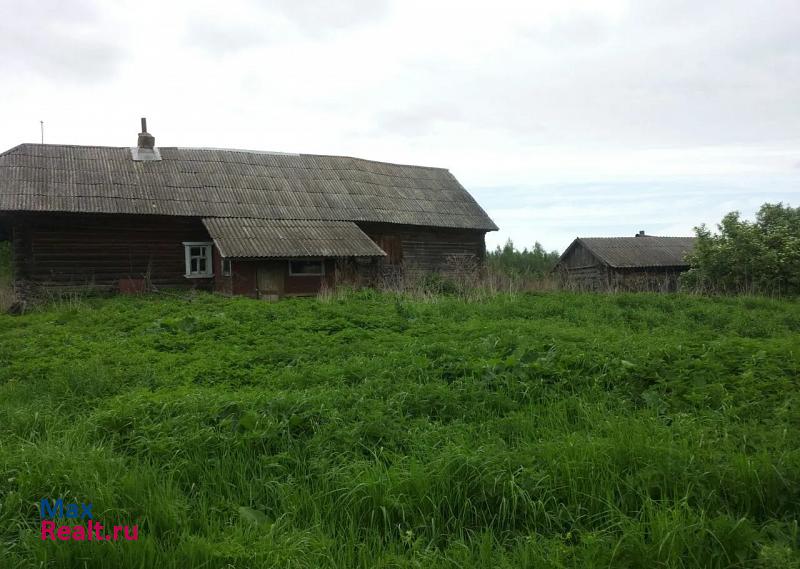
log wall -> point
(420, 250)
(581, 270)
(653, 279)
(244, 278)
(60, 252)
(64, 252)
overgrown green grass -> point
(556, 430)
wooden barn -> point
(640, 263)
(259, 224)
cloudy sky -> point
(563, 118)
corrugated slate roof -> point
(237, 237)
(233, 183)
(642, 251)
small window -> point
(313, 268)
(226, 267)
(198, 260)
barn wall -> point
(580, 257)
(62, 252)
(5, 228)
(653, 279)
(585, 278)
(581, 270)
(244, 280)
(296, 285)
(221, 284)
(419, 249)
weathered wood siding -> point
(420, 249)
(66, 251)
(244, 280)
(579, 258)
(62, 251)
(5, 228)
(651, 279)
(585, 278)
(581, 270)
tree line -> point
(527, 263)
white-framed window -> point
(198, 259)
(307, 268)
(227, 270)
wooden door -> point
(269, 282)
(393, 248)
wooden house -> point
(260, 224)
(640, 263)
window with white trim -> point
(226, 267)
(307, 268)
(198, 259)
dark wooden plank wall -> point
(223, 284)
(649, 279)
(5, 228)
(243, 280)
(72, 251)
(581, 270)
(307, 284)
(421, 249)
(580, 257)
(64, 251)
(585, 278)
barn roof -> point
(236, 237)
(206, 182)
(640, 251)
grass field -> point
(555, 430)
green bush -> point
(755, 257)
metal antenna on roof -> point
(41, 127)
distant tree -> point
(533, 262)
(761, 256)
